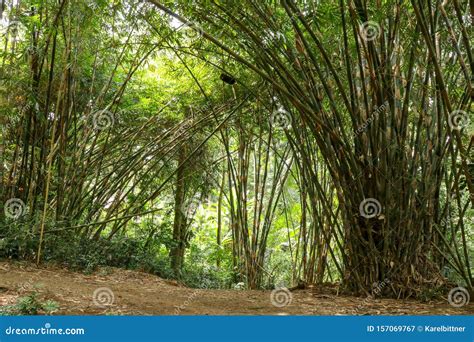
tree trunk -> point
(179, 225)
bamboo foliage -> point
(381, 112)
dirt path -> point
(136, 293)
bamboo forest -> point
(236, 157)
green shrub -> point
(30, 305)
(138, 252)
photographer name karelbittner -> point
(444, 328)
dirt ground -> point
(123, 292)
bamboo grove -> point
(348, 122)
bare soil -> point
(138, 293)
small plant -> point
(427, 295)
(30, 305)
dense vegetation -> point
(256, 142)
